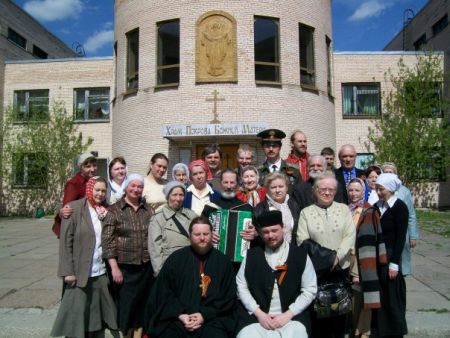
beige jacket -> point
(332, 228)
(164, 236)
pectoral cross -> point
(214, 99)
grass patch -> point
(437, 222)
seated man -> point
(277, 287)
(195, 293)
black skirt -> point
(390, 318)
(131, 296)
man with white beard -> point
(302, 192)
(229, 201)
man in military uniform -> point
(271, 143)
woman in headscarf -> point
(277, 198)
(180, 172)
(125, 246)
(367, 258)
(117, 174)
(372, 173)
(251, 192)
(199, 193)
(154, 181)
(169, 228)
(329, 224)
(87, 307)
(394, 224)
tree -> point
(413, 129)
(38, 157)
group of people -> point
(138, 254)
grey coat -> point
(164, 236)
(77, 243)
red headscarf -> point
(100, 209)
(202, 164)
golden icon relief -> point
(216, 48)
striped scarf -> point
(370, 253)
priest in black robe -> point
(195, 293)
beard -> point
(315, 173)
(228, 194)
(202, 250)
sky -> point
(358, 25)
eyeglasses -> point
(324, 191)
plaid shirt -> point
(125, 233)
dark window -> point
(307, 67)
(168, 53)
(17, 38)
(267, 50)
(133, 59)
(31, 105)
(440, 25)
(29, 170)
(91, 104)
(39, 53)
(420, 42)
(361, 99)
(329, 70)
(115, 69)
(423, 98)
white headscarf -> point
(390, 181)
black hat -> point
(268, 218)
(271, 136)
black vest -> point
(261, 278)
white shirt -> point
(98, 266)
(277, 164)
(199, 201)
(274, 258)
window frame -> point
(13, 35)
(132, 75)
(159, 66)
(420, 42)
(305, 70)
(26, 118)
(329, 66)
(437, 90)
(25, 168)
(354, 101)
(276, 65)
(87, 97)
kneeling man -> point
(195, 293)
(276, 284)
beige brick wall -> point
(60, 78)
(362, 67)
(138, 118)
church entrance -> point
(229, 152)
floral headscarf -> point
(99, 208)
(355, 205)
(202, 164)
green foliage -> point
(38, 159)
(412, 132)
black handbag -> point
(333, 299)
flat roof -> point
(98, 58)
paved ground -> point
(30, 290)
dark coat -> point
(341, 181)
(289, 169)
(293, 206)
